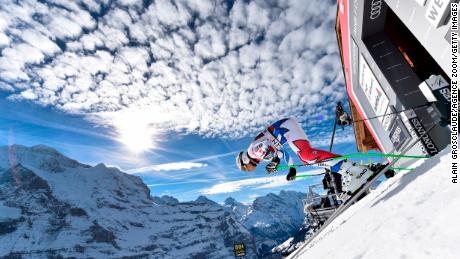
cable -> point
(413, 108)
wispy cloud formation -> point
(217, 68)
(255, 183)
(189, 164)
(168, 167)
(323, 137)
(234, 186)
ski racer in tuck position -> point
(268, 146)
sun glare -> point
(134, 132)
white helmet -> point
(245, 162)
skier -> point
(268, 146)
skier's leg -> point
(379, 166)
(292, 133)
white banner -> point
(372, 89)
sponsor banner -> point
(440, 87)
(374, 13)
(437, 11)
(387, 120)
(441, 90)
(239, 250)
(354, 59)
(409, 127)
(372, 89)
(437, 82)
(428, 145)
(348, 20)
(421, 2)
(399, 134)
(376, 9)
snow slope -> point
(413, 215)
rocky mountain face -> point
(309, 226)
(53, 206)
(294, 242)
(271, 219)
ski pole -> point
(297, 166)
(307, 175)
(402, 168)
(333, 135)
(351, 155)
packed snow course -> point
(412, 215)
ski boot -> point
(378, 167)
(354, 176)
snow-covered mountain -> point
(271, 218)
(296, 240)
(412, 215)
(51, 205)
(307, 229)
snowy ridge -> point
(272, 218)
(412, 215)
(51, 206)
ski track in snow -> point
(412, 215)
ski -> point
(356, 195)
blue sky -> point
(29, 124)
(169, 90)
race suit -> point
(270, 142)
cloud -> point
(168, 167)
(323, 138)
(255, 183)
(189, 164)
(214, 68)
(238, 185)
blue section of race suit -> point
(278, 131)
(335, 168)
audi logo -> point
(376, 7)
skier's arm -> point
(272, 166)
(289, 161)
(276, 160)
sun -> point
(136, 137)
(135, 132)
